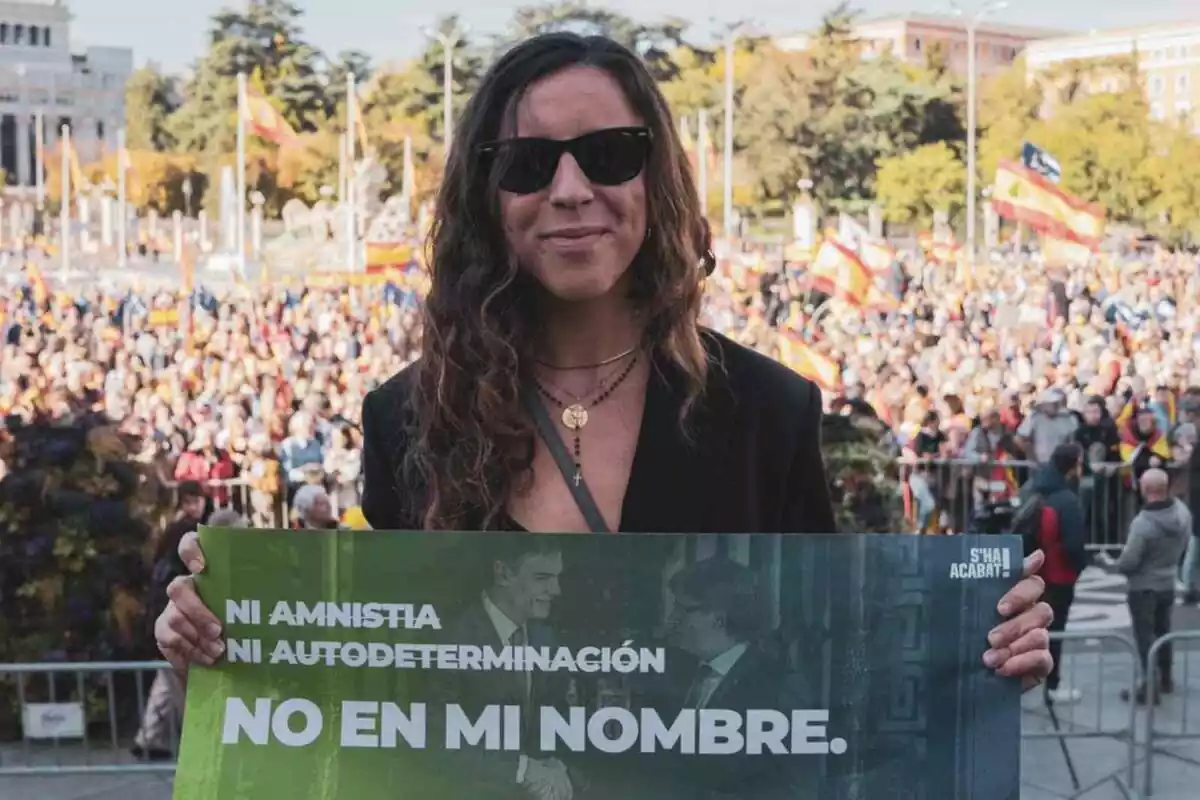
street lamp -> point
(730, 44)
(449, 40)
(972, 22)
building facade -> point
(42, 78)
(916, 38)
(1167, 59)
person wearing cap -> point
(1049, 426)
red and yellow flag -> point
(266, 121)
(1022, 195)
(797, 356)
(836, 271)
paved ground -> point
(1098, 665)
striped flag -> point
(798, 356)
(1022, 195)
(266, 121)
(838, 272)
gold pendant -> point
(575, 417)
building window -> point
(18, 34)
(1183, 110)
(1156, 86)
(46, 37)
(100, 130)
(1181, 83)
(1157, 111)
(35, 35)
(917, 44)
(3, 33)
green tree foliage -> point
(150, 99)
(915, 184)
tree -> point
(911, 186)
(1172, 175)
(1009, 105)
(150, 99)
(774, 125)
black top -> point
(751, 462)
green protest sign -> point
(364, 665)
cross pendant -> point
(578, 477)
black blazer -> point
(752, 462)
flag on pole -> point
(1023, 195)
(837, 272)
(360, 127)
(802, 359)
(266, 121)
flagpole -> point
(64, 212)
(122, 212)
(351, 200)
(40, 143)
(241, 175)
(702, 158)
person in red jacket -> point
(205, 463)
(1062, 535)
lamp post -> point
(972, 23)
(727, 210)
(449, 40)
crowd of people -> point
(257, 392)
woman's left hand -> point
(1020, 646)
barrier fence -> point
(1177, 721)
(1105, 663)
(81, 718)
(981, 496)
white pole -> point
(351, 183)
(241, 175)
(64, 213)
(341, 187)
(971, 80)
(122, 209)
(448, 43)
(702, 157)
(40, 144)
(727, 217)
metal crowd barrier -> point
(80, 718)
(1104, 663)
(1175, 709)
(981, 496)
(258, 510)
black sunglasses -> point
(608, 157)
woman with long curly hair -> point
(564, 382)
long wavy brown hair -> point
(473, 445)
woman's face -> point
(575, 237)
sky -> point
(172, 33)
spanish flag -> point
(1130, 444)
(797, 356)
(265, 121)
(387, 255)
(836, 271)
(37, 285)
(877, 256)
(1023, 195)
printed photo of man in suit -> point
(512, 610)
(719, 617)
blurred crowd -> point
(256, 392)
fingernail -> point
(214, 630)
(991, 658)
(215, 649)
(1005, 609)
(994, 637)
(195, 565)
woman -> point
(314, 509)
(568, 254)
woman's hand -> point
(1020, 647)
(187, 632)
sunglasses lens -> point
(612, 157)
(528, 165)
(607, 157)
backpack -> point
(1027, 522)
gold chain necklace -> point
(575, 415)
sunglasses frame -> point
(642, 132)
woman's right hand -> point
(187, 632)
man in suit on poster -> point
(512, 611)
(719, 617)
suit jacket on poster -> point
(752, 465)
(489, 774)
